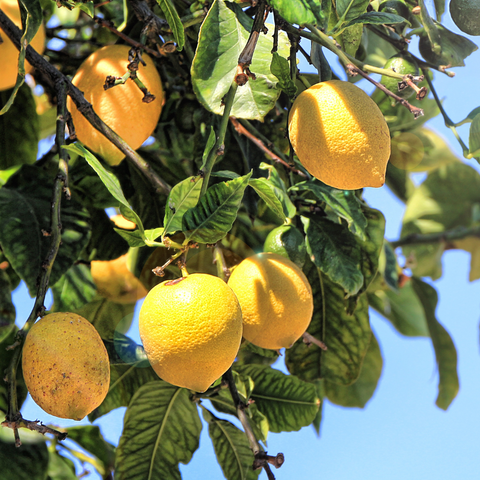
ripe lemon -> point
(113, 278)
(65, 365)
(466, 15)
(191, 329)
(340, 136)
(120, 107)
(276, 300)
(8, 51)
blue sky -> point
(400, 434)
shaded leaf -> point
(346, 336)
(280, 189)
(317, 421)
(18, 129)
(268, 193)
(347, 10)
(445, 352)
(174, 22)
(216, 211)
(288, 402)
(26, 201)
(223, 35)
(320, 62)
(376, 18)
(231, 448)
(60, 468)
(123, 350)
(281, 69)
(299, 11)
(183, 196)
(161, 429)
(7, 309)
(474, 137)
(360, 392)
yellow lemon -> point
(8, 51)
(340, 136)
(113, 278)
(276, 300)
(65, 365)
(120, 107)
(191, 329)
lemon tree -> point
(192, 159)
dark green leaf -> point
(346, 336)
(60, 468)
(7, 309)
(360, 392)
(268, 193)
(471, 115)
(288, 402)
(474, 137)
(90, 438)
(445, 352)
(214, 215)
(223, 35)
(26, 201)
(18, 130)
(334, 251)
(320, 62)
(87, 7)
(171, 15)
(212, 138)
(317, 421)
(162, 428)
(348, 10)
(231, 448)
(281, 69)
(27, 462)
(299, 11)
(123, 350)
(399, 182)
(279, 189)
(343, 203)
(74, 289)
(182, 197)
(350, 38)
(376, 18)
(134, 238)
(439, 8)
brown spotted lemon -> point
(191, 329)
(340, 135)
(65, 365)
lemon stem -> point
(223, 271)
(13, 418)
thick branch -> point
(83, 106)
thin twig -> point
(309, 339)
(34, 425)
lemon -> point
(65, 365)
(113, 278)
(8, 51)
(191, 329)
(340, 136)
(466, 15)
(288, 242)
(120, 107)
(402, 64)
(276, 300)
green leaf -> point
(7, 309)
(474, 137)
(60, 468)
(183, 196)
(216, 211)
(162, 428)
(399, 182)
(445, 352)
(360, 392)
(27, 462)
(288, 402)
(19, 129)
(402, 308)
(346, 336)
(320, 62)
(123, 350)
(299, 11)
(109, 180)
(87, 7)
(376, 18)
(317, 421)
(26, 201)
(349, 10)
(281, 69)
(32, 18)
(174, 22)
(268, 193)
(223, 35)
(231, 448)
(279, 189)
(431, 209)
(134, 238)
(334, 251)
(350, 38)
(212, 138)
(90, 438)
(74, 289)
(343, 203)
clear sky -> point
(400, 434)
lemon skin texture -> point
(120, 107)
(276, 300)
(340, 136)
(8, 51)
(191, 329)
(466, 15)
(65, 365)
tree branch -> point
(445, 236)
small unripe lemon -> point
(276, 300)
(288, 242)
(65, 365)
(466, 15)
(340, 136)
(120, 107)
(9, 52)
(191, 329)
